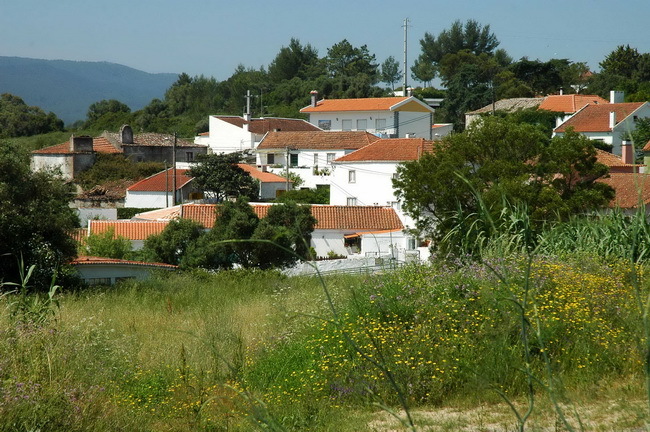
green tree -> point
(107, 245)
(171, 245)
(103, 107)
(503, 161)
(220, 177)
(423, 71)
(114, 167)
(471, 36)
(17, 119)
(390, 71)
(295, 61)
(35, 219)
(345, 60)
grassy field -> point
(445, 345)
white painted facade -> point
(110, 273)
(313, 166)
(154, 199)
(395, 124)
(616, 135)
(228, 138)
(366, 184)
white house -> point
(340, 230)
(364, 177)
(73, 156)
(389, 117)
(309, 153)
(608, 123)
(156, 191)
(229, 134)
(108, 271)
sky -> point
(212, 37)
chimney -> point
(81, 143)
(126, 134)
(409, 91)
(612, 119)
(561, 91)
(627, 152)
(314, 97)
(616, 96)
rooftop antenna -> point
(406, 25)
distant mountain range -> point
(68, 88)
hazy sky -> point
(213, 37)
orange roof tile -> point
(100, 145)
(646, 147)
(162, 181)
(92, 260)
(363, 104)
(611, 160)
(131, 229)
(264, 177)
(261, 126)
(631, 189)
(317, 140)
(595, 118)
(394, 149)
(570, 103)
(327, 216)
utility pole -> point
(287, 171)
(247, 114)
(174, 171)
(406, 26)
(166, 185)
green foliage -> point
(295, 61)
(306, 196)
(172, 243)
(35, 219)
(18, 119)
(390, 71)
(219, 176)
(110, 167)
(105, 112)
(28, 309)
(129, 212)
(502, 162)
(107, 245)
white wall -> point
(147, 199)
(324, 241)
(87, 213)
(268, 190)
(305, 168)
(227, 138)
(45, 162)
(114, 272)
(416, 124)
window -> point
(380, 124)
(346, 125)
(352, 201)
(325, 124)
(395, 176)
(352, 176)
(362, 124)
(330, 157)
(293, 160)
(189, 156)
(315, 159)
(270, 158)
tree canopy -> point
(18, 119)
(502, 161)
(35, 220)
(219, 176)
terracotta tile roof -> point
(79, 235)
(150, 139)
(570, 103)
(131, 229)
(631, 189)
(161, 181)
(263, 125)
(394, 149)
(328, 217)
(264, 177)
(509, 105)
(611, 160)
(92, 260)
(362, 104)
(317, 140)
(100, 145)
(595, 118)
